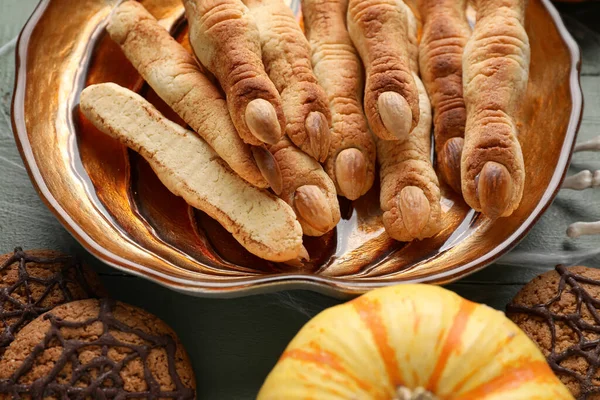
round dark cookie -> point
(35, 281)
(96, 349)
(560, 311)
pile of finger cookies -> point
(60, 337)
(280, 117)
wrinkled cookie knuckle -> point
(445, 34)
(444, 64)
(352, 152)
(287, 60)
(223, 14)
(451, 108)
(410, 195)
(231, 50)
(242, 79)
(383, 78)
(496, 74)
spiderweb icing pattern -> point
(15, 313)
(100, 378)
(585, 348)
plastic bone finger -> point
(582, 180)
(583, 228)
(590, 145)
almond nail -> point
(395, 114)
(304, 256)
(299, 261)
(351, 173)
(317, 129)
(269, 168)
(449, 161)
(262, 121)
(494, 189)
(415, 210)
(312, 206)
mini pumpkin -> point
(412, 342)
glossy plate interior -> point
(111, 201)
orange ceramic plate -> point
(112, 202)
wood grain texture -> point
(226, 337)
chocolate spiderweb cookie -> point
(33, 282)
(96, 349)
(560, 311)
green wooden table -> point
(234, 343)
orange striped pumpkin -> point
(402, 341)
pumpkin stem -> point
(419, 393)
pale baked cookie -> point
(351, 160)
(226, 40)
(264, 224)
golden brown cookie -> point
(286, 57)
(495, 75)
(445, 34)
(96, 349)
(35, 281)
(336, 64)
(560, 311)
(307, 189)
(226, 40)
(410, 190)
(379, 31)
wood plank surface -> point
(234, 343)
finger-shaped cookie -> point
(307, 188)
(225, 39)
(445, 34)
(378, 29)
(351, 161)
(175, 76)
(496, 71)
(410, 193)
(286, 57)
(264, 224)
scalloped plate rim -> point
(337, 287)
